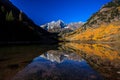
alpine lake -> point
(65, 61)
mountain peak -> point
(60, 20)
(59, 26)
(54, 26)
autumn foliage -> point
(105, 32)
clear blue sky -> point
(44, 11)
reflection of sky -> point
(41, 69)
(43, 11)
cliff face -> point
(16, 27)
(102, 26)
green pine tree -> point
(9, 16)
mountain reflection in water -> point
(58, 65)
(70, 61)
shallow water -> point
(68, 61)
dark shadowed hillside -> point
(16, 27)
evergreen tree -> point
(9, 16)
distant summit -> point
(54, 26)
(60, 26)
(75, 25)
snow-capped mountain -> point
(54, 26)
(60, 26)
(74, 25)
(60, 56)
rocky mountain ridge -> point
(102, 26)
(108, 13)
(61, 27)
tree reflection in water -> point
(104, 58)
(71, 61)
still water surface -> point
(68, 61)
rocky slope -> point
(104, 33)
(110, 12)
(102, 26)
(16, 27)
